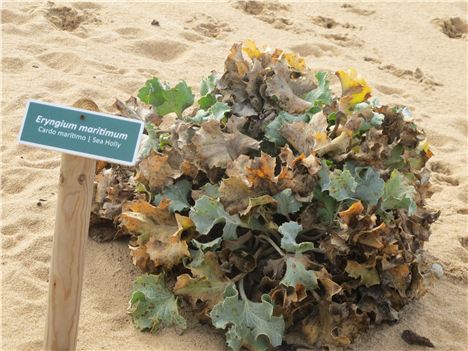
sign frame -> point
(78, 153)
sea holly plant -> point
(273, 205)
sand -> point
(412, 54)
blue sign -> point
(81, 132)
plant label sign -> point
(81, 132)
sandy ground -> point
(103, 50)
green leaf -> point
(287, 203)
(324, 176)
(250, 324)
(396, 160)
(211, 190)
(207, 87)
(327, 206)
(398, 193)
(165, 99)
(208, 211)
(208, 84)
(362, 183)
(153, 306)
(377, 119)
(207, 284)
(322, 95)
(296, 273)
(272, 130)
(217, 112)
(341, 185)
(290, 230)
(150, 143)
(205, 102)
(370, 186)
(331, 119)
(177, 193)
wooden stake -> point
(67, 265)
(68, 252)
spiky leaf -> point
(153, 306)
(322, 94)
(177, 194)
(370, 186)
(398, 193)
(250, 324)
(296, 273)
(286, 202)
(290, 230)
(341, 185)
(208, 211)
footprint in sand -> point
(385, 89)
(443, 179)
(454, 27)
(13, 64)
(344, 40)
(161, 50)
(357, 11)
(372, 59)
(442, 174)
(440, 167)
(417, 75)
(69, 19)
(209, 27)
(62, 61)
(271, 12)
(316, 49)
(130, 32)
(329, 23)
(256, 8)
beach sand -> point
(105, 51)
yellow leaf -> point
(295, 61)
(354, 89)
(250, 48)
(426, 149)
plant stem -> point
(241, 290)
(272, 243)
(238, 277)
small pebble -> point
(438, 270)
(155, 23)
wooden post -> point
(67, 265)
(70, 235)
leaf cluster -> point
(274, 206)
